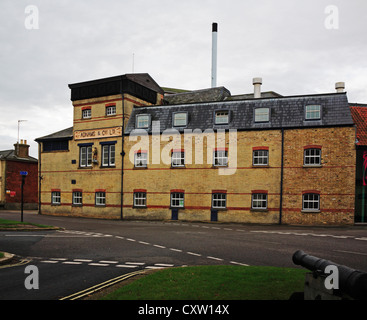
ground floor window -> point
(100, 198)
(77, 198)
(259, 201)
(140, 199)
(177, 199)
(56, 197)
(311, 202)
(219, 200)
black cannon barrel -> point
(352, 282)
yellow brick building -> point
(200, 156)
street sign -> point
(24, 173)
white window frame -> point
(142, 124)
(140, 161)
(220, 158)
(140, 199)
(111, 110)
(108, 155)
(100, 198)
(219, 200)
(178, 159)
(87, 113)
(313, 112)
(259, 198)
(312, 200)
(260, 157)
(177, 200)
(180, 119)
(85, 157)
(312, 157)
(222, 117)
(262, 114)
(55, 197)
(77, 197)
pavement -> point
(8, 257)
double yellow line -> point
(102, 285)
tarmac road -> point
(90, 251)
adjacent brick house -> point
(135, 152)
(12, 162)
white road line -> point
(164, 264)
(194, 254)
(152, 267)
(71, 262)
(59, 259)
(105, 261)
(49, 261)
(137, 263)
(83, 260)
(143, 242)
(98, 264)
(365, 239)
(158, 246)
(130, 239)
(118, 237)
(241, 264)
(173, 249)
(352, 252)
(125, 266)
(214, 258)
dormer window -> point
(222, 117)
(180, 119)
(313, 112)
(142, 121)
(262, 115)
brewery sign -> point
(98, 133)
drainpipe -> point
(281, 179)
(39, 178)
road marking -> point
(173, 249)
(164, 264)
(365, 239)
(126, 266)
(98, 264)
(352, 252)
(194, 254)
(130, 239)
(137, 263)
(142, 242)
(241, 264)
(106, 261)
(83, 260)
(71, 262)
(158, 246)
(49, 261)
(118, 237)
(152, 267)
(214, 258)
(59, 259)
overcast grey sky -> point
(297, 47)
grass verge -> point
(214, 283)
(9, 224)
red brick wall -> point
(14, 180)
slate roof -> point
(10, 155)
(359, 114)
(286, 112)
(66, 134)
(204, 95)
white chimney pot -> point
(257, 82)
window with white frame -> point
(221, 117)
(312, 157)
(259, 201)
(180, 119)
(108, 155)
(262, 115)
(142, 121)
(100, 198)
(85, 157)
(219, 200)
(178, 159)
(140, 199)
(87, 113)
(311, 202)
(77, 198)
(260, 157)
(56, 197)
(313, 112)
(220, 158)
(110, 110)
(141, 159)
(177, 199)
